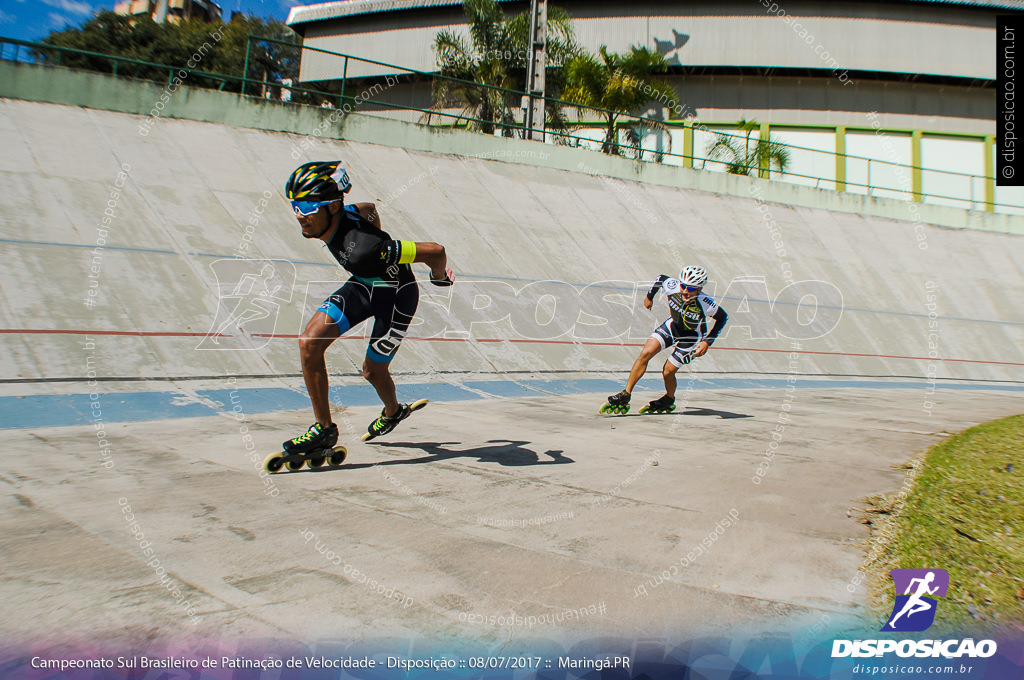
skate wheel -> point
(417, 405)
(316, 461)
(273, 463)
(338, 455)
(604, 409)
(645, 410)
(367, 437)
(295, 465)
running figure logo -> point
(914, 610)
(251, 294)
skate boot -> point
(314, 448)
(316, 437)
(384, 424)
(665, 404)
(617, 403)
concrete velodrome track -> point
(509, 495)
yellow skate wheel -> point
(339, 455)
(273, 463)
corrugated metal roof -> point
(342, 8)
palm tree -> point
(620, 86)
(495, 56)
(763, 155)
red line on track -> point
(166, 334)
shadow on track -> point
(724, 415)
(502, 451)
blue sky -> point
(34, 19)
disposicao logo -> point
(914, 610)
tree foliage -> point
(620, 86)
(211, 47)
(496, 56)
(763, 154)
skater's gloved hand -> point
(648, 302)
(447, 279)
(702, 348)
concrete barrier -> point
(119, 223)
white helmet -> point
(693, 276)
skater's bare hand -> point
(648, 302)
(702, 347)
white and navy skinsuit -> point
(688, 325)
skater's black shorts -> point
(686, 342)
(392, 304)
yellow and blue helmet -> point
(318, 181)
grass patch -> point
(963, 513)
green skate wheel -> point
(273, 462)
(338, 455)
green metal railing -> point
(623, 121)
(505, 122)
(119, 66)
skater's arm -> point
(431, 254)
(368, 211)
(720, 318)
(656, 287)
(434, 256)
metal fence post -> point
(245, 69)
(344, 81)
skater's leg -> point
(378, 374)
(393, 312)
(669, 374)
(651, 348)
(320, 332)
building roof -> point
(343, 8)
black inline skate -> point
(617, 403)
(314, 448)
(382, 425)
(665, 404)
